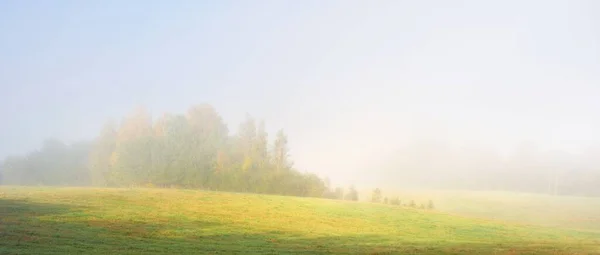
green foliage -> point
(430, 205)
(376, 196)
(395, 201)
(100, 155)
(412, 204)
(53, 165)
(339, 193)
(352, 194)
(132, 159)
(193, 150)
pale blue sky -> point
(348, 80)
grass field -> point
(581, 213)
(164, 221)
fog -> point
(435, 94)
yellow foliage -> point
(220, 161)
(247, 163)
(114, 158)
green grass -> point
(152, 221)
(581, 213)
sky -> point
(349, 81)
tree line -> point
(377, 197)
(196, 150)
(192, 150)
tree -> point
(280, 162)
(171, 151)
(339, 193)
(260, 146)
(352, 194)
(101, 153)
(395, 201)
(193, 150)
(263, 174)
(412, 204)
(430, 205)
(207, 135)
(132, 159)
(313, 186)
(385, 200)
(281, 152)
(18, 171)
(50, 163)
(55, 163)
(376, 196)
(77, 164)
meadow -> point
(44, 220)
(571, 212)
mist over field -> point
(388, 94)
(299, 127)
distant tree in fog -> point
(339, 193)
(352, 194)
(54, 164)
(430, 205)
(100, 155)
(412, 203)
(376, 196)
(194, 150)
(526, 168)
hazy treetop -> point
(348, 80)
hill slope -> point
(572, 212)
(105, 221)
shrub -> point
(376, 196)
(352, 194)
(329, 194)
(339, 193)
(430, 205)
(395, 201)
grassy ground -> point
(144, 221)
(582, 213)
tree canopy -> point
(194, 150)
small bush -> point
(395, 201)
(352, 194)
(430, 205)
(376, 196)
(339, 193)
(328, 194)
